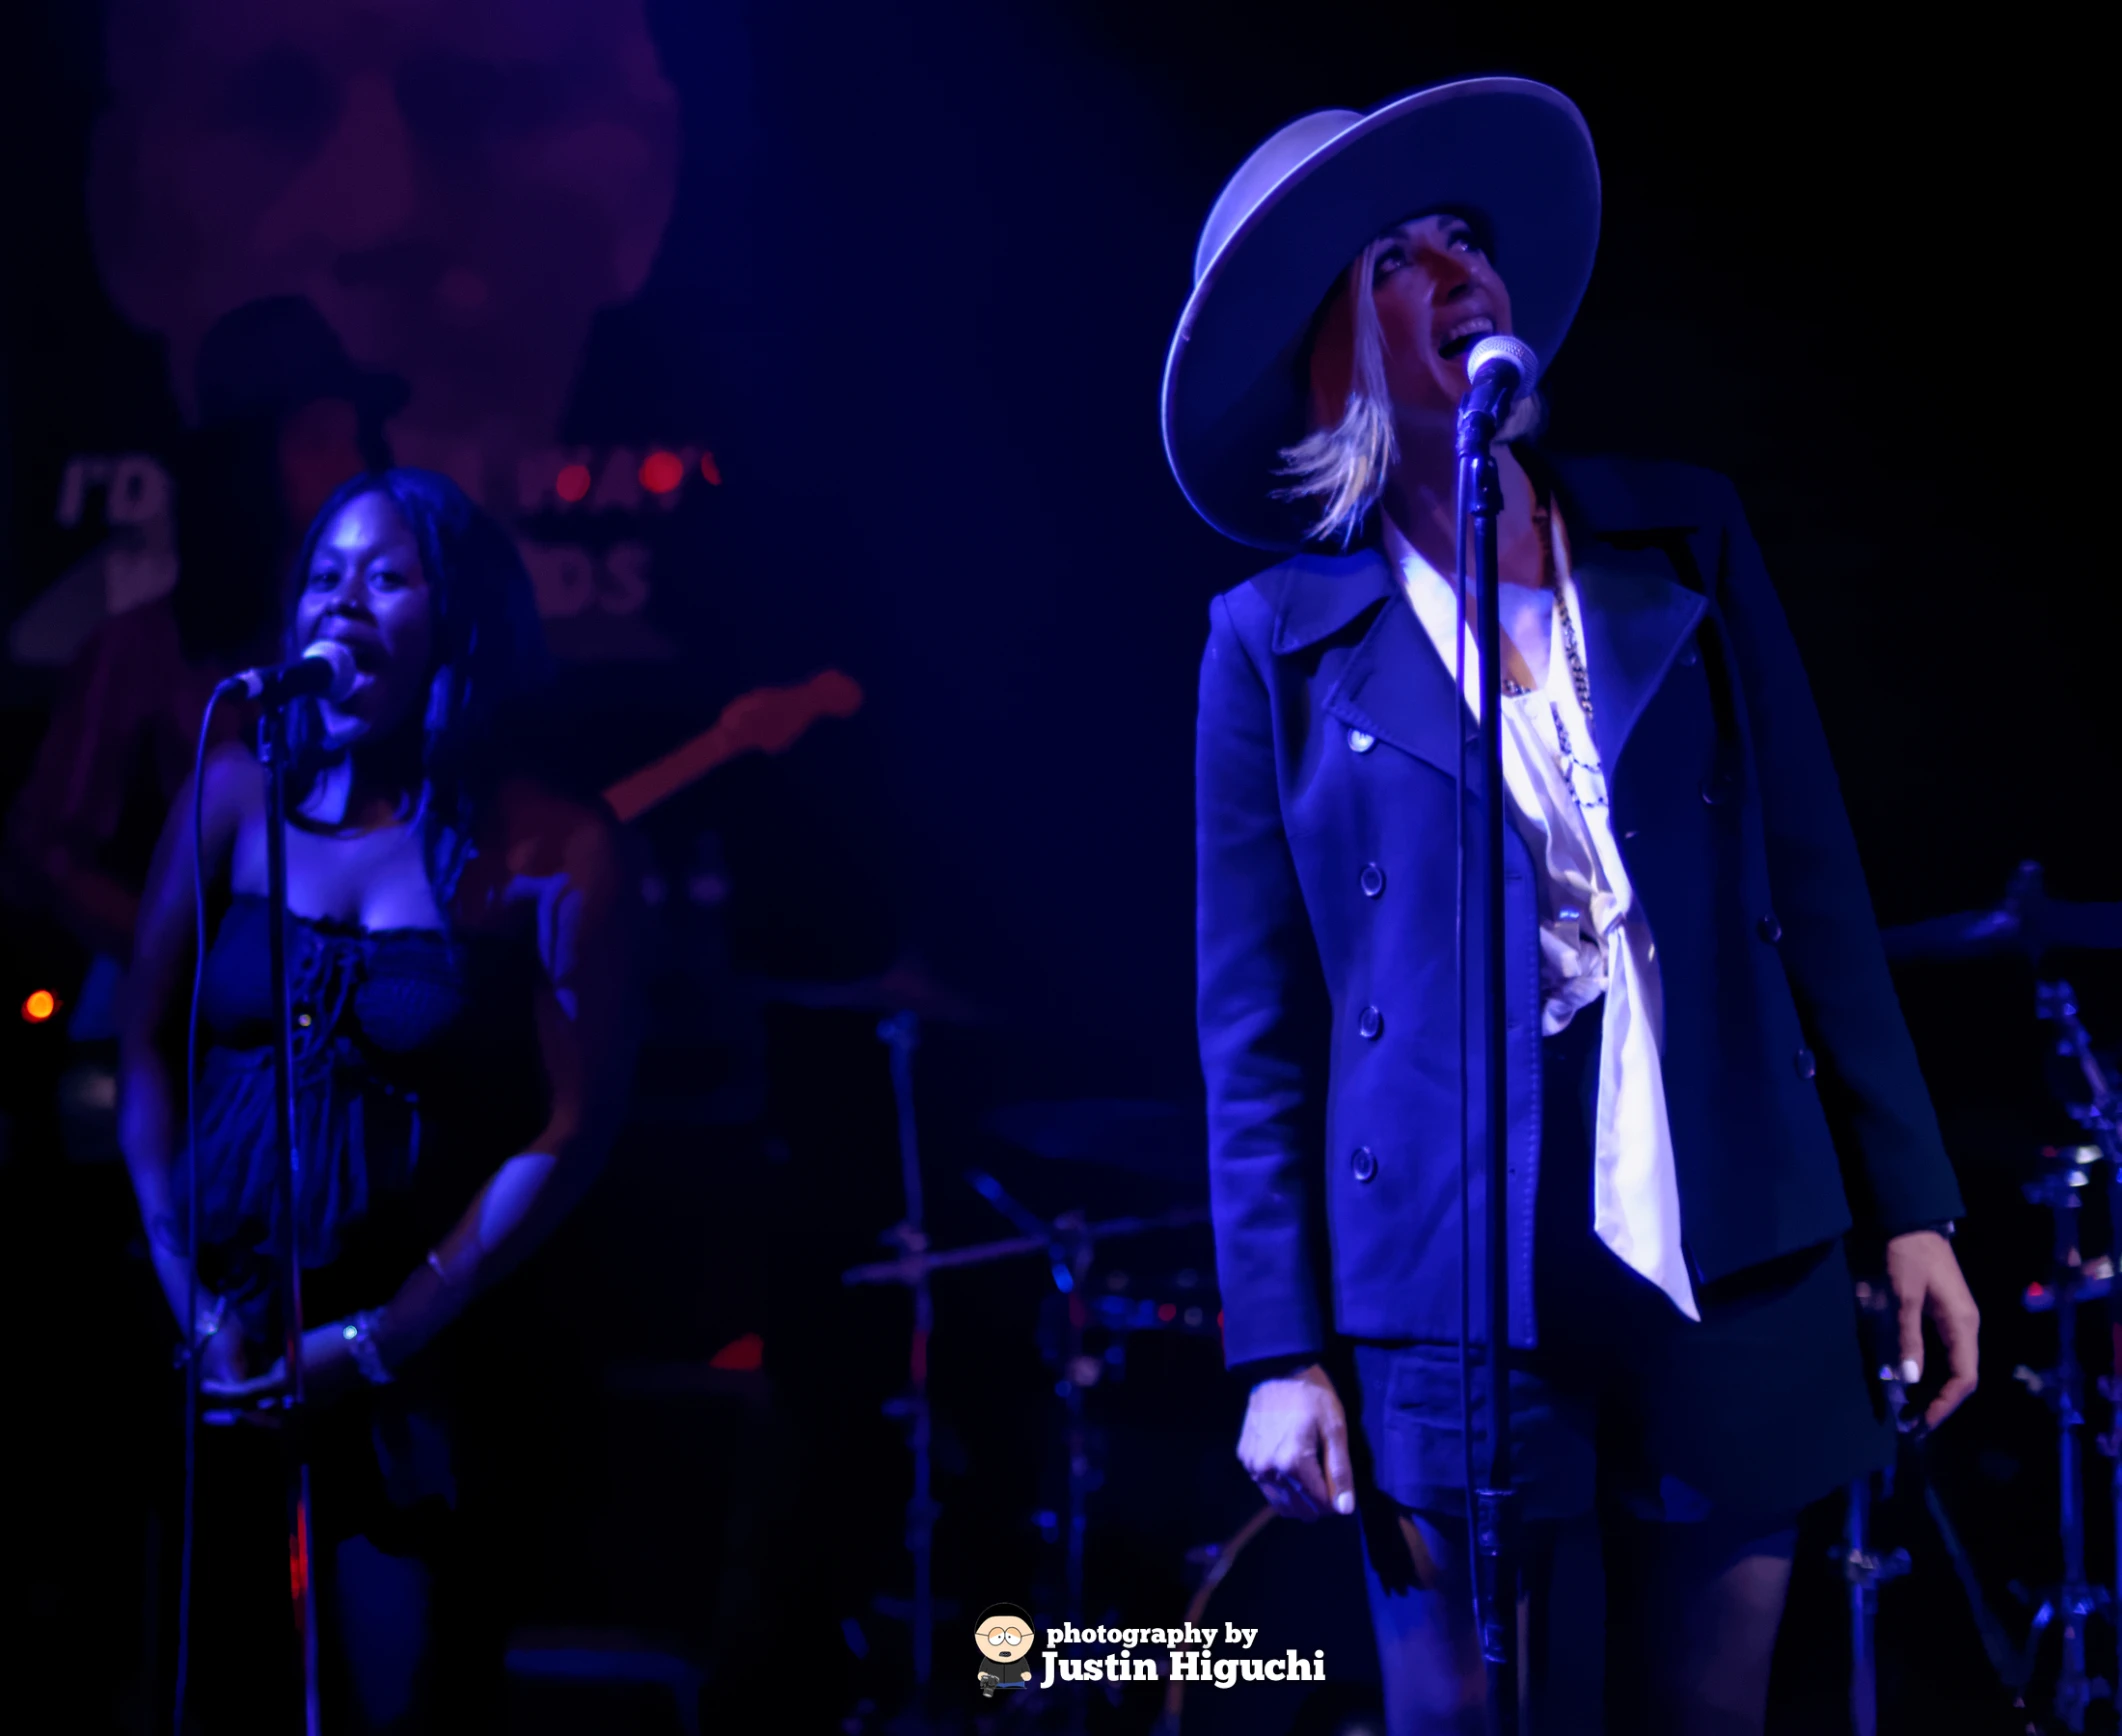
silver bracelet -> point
(361, 1345)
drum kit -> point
(1101, 1305)
(1068, 1244)
(2030, 925)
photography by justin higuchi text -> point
(1215, 1657)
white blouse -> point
(1594, 940)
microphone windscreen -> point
(1499, 348)
(341, 661)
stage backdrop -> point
(794, 338)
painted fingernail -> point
(1911, 1371)
(1886, 1371)
(1344, 1502)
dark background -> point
(917, 290)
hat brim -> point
(1511, 154)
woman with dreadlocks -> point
(461, 990)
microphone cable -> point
(193, 1348)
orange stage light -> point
(40, 1006)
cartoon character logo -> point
(1006, 1639)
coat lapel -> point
(1395, 687)
(1623, 520)
(1315, 596)
(1636, 619)
(1391, 685)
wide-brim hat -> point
(1512, 156)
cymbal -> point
(1147, 1137)
(905, 988)
(2028, 923)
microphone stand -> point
(901, 1035)
(273, 737)
(1495, 1503)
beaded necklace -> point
(1543, 523)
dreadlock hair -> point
(489, 653)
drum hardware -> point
(905, 1269)
(901, 1035)
(1864, 1569)
(1174, 1304)
(2059, 1189)
(1067, 1242)
(907, 996)
(2096, 1280)
(2028, 923)
(1070, 1245)
(2056, 1003)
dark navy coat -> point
(1327, 735)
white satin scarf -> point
(1594, 940)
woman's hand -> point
(1295, 1446)
(224, 1361)
(225, 1356)
(329, 1372)
(1927, 1282)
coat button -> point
(1689, 657)
(1364, 1164)
(1803, 1061)
(1369, 1023)
(1372, 880)
(1771, 930)
(1361, 741)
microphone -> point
(1498, 369)
(325, 670)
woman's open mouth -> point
(1458, 339)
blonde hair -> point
(1345, 466)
